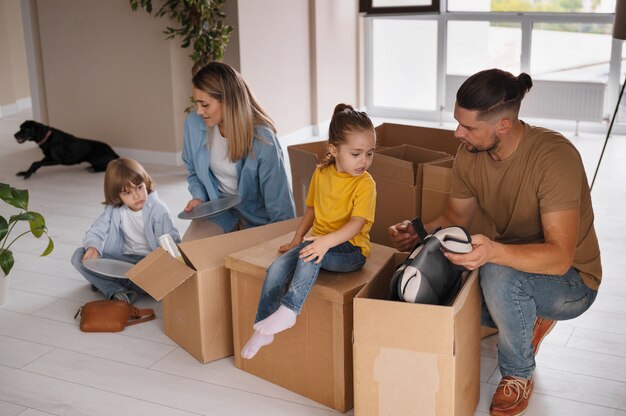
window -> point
(474, 46)
(405, 74)
(415, 63)
(551, 56)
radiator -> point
(563, 100)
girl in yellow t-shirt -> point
(340, 209)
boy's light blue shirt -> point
(262, 179)
(106, 236)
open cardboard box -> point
(399, 174)
(416, 359)
(313, 358)
(436, 185)
(196, 293)
(304, 157)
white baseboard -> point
(16, 107)
(24, 103)
(9, 109)
(151, 156)
(303, 135)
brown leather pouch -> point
(111, 316)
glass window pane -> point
(571, 52)
(500, 47)
(538, 6)
(404, 64)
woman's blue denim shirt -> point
(262, 179)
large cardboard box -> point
(304, 157)
(415, 359)
(313, 358)
(399, 174)
(196, 293)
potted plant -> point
(201, 24)
(17, 198)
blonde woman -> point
(231, 149)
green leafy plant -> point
(18, 198)
(201, 24)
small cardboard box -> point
(415, 359)
(313, 358)
(196, 294)
(399, 172)
(304, 157)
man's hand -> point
(91, 253)
(402, 236)
(192, 204)
(317, 248)
(481, 254)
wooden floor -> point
(49, 367)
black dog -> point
(60, 148)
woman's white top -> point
(222, 168)
(132, 226)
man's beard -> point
(495, 143)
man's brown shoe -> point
(511, 396)
(541, 329)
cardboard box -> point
(304, 157)
(196, 294)
(313, 358)
(415, 359)
(436, 185)
(399, 172)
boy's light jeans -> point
(514, 299)
(105, 284)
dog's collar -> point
(47, 136)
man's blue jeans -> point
(289, 279)
(108, 286)
(514, 299)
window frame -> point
(525, 19)
(367, 7)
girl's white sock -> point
(254, 344)
(283, 318)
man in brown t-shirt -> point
(540, 262)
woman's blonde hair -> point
(120, 175)
(345, 120)
(240, 109)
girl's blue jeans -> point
(514, 299)
(289, 279)
(105, 284)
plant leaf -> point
(13, 196)
(48, 249)
(6, 261)
(22, 216)
(37, 224)
(4, 227)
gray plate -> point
(211, 208)
(108, 267)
